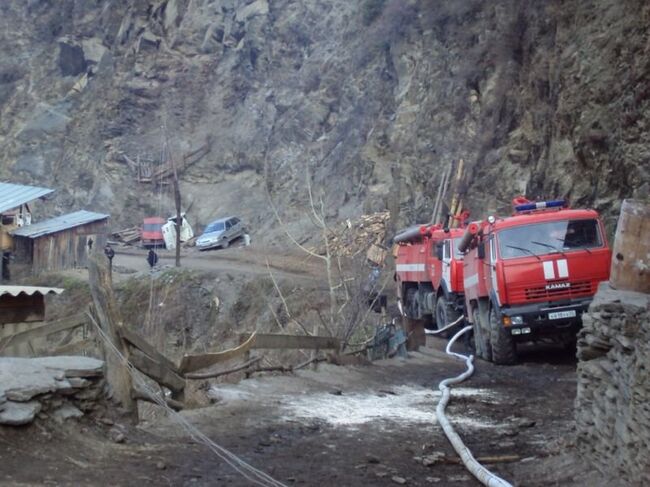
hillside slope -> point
(368, 101)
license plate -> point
(562, 314)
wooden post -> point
(108, 315)
(415, 332)
(630, 257)
(177, 202)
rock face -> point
(368, 101)
(64, 386)
(612, 413)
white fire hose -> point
(476, 469)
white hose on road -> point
(476, 469)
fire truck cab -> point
(530, 276)
(429, 274)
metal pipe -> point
(411, 233)
(466, 240)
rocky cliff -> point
(366, 102)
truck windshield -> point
(549, 237)
(215, 227)
(152, 227)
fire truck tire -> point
(504, 349)
(444, 314)
(481, 347)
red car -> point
(151, 233)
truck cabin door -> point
(446, 262)
(492, 256)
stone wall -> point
(49, 387)
(613, 399)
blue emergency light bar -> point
(540, 205)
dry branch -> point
(214, 374)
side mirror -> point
(439, 251)
(481, 250)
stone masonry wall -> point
(613, 399)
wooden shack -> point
(22, 311)
(15, 212)
(59, 243)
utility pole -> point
(177, 200)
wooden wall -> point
(67, 249)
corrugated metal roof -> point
(14, 195)
(29, 290)
(58, 224)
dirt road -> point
(243, 261)
(362, 425)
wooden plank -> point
(45, 330)
(74, 348)
(139, 342)
(157, 371)
(295, 342)
(192, 363)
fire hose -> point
(475, 468)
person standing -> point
(152, 258)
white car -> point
(220, 233)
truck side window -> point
(228, 225)
(447, 250)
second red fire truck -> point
(429, 274)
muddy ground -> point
(359, 425)
(349, 426)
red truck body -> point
(151, 234)
(429, 274)
(531, 276)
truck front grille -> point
(577, 289)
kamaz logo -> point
(558, 285)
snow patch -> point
(408, 405)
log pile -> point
(49, 387)
(129, 236)
(612, 414)
(366, 234)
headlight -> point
(517, 320)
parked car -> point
(151, 234)
(220, 233)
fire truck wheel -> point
(504, 349)
(481, 347)
(445, 314)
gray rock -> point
(66, 411)
(21, 379)
(73, 366)
(19, 413)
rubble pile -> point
(366, 234)
(44, 387)
(612, 412)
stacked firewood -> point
(365, 234)
(128, 236)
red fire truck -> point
(530, 276)
(429, 274)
